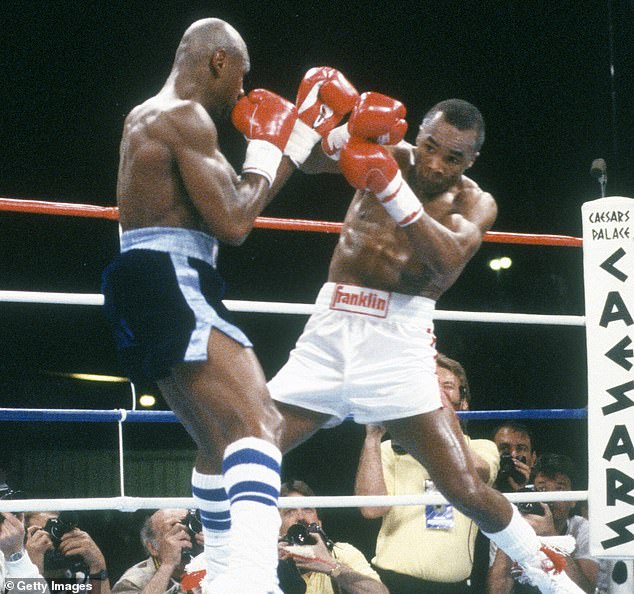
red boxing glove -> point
(334, 141)
(266, 119)
(263, 115)
(378, 118)
(324, 97)
(369, 166)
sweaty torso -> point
(373, 251)
(150, 189)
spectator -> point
(60, 549)
(325, 567)
(168, 542)
(413, 548)
(552, 472)
(515, 444)
(14, 562)
(514, 440)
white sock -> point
(251, 469)
(212, 501)
(518, 540)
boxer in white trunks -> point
(368, 350)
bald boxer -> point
(179, 197)
(368, 351)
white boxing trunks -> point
(364, 353)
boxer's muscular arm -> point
(317, 162)
(227, 204)
(446, 245)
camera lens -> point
(298, 534)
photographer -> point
(515, 444)
(552, 472)
(325, 567)
(14, 562)
(61, 550)
(517, 456)
(172, 538)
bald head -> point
(206, 36)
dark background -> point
(539, 71)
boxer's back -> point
(150, 190)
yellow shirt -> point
(320, 583)
(405, 544)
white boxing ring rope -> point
(278, 307)
(131, 504)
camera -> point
(72, 565)
(193, 526)
(508, 470)
(531, 507)
(301, 534)
(57, 527)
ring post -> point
(608, 268)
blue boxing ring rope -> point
(125, 503)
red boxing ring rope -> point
(112, 213)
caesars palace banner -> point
(608, 267)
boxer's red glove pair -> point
(272, 124)
(324, 97)
(367, 165)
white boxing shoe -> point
(547, 572)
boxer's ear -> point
(473, 160)
(217, 62)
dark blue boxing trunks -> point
(163, 296)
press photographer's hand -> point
(310, 557)
(170, 550)
(78, 542)
(523, 469)
(514, 471)
(38, 542)
(11, 533)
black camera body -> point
(531, 507)
(302, 534)
(508, 470)
(72, 565)
(193, 525)
(57, 527)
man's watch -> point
(16, 556)
(100, 576)
(336, 570)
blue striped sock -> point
(251, 470)
(212, 501)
